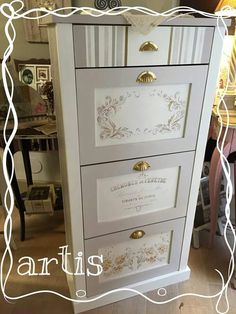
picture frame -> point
(39, 86)
(27, 74)
(33, 71)
(42, 73)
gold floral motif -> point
(175, 105)
(120, 259)
(111, 106)
(104, 113)
(106, 264)
(132, 259)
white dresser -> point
(133, 113)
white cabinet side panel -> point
(65, 99)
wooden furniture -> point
(23, 142)
(215, 175)
(133, 114)
(3, 188)
(216, 170)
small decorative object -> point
(47, 90)
(206, 169)
(40, 199)
(47, 4)
(114, 3)
(227, 7)
(104, 4)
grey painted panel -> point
(124, 78)
(90, 175)
(187, 45)
(92, 247)
(191, 45)
(105, 44)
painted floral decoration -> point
(110, 130)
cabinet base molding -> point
(143, 287)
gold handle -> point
(146, 77)
(141, 166)
(148, 46)
(138, 234)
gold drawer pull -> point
(146, 77)
(141, 166)
(148, 46)
(138, 234)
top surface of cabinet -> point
(120, 20)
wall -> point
(202, 5)
(22, 49)
(151, 4)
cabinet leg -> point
(215, 176)
(19, 201)
(26, 160)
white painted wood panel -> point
(211, 85)
(127, 260)
(161, 37)
(116, 197)
(133, 114)
(60, 36)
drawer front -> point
(122, 118)
(127, 260)
(128, 194)
(111, 46)
(170, 45)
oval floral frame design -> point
(13, 13)
(110, 107)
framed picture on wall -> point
(39, 87)
(42, 73)
(33, 72)
(27, 75)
